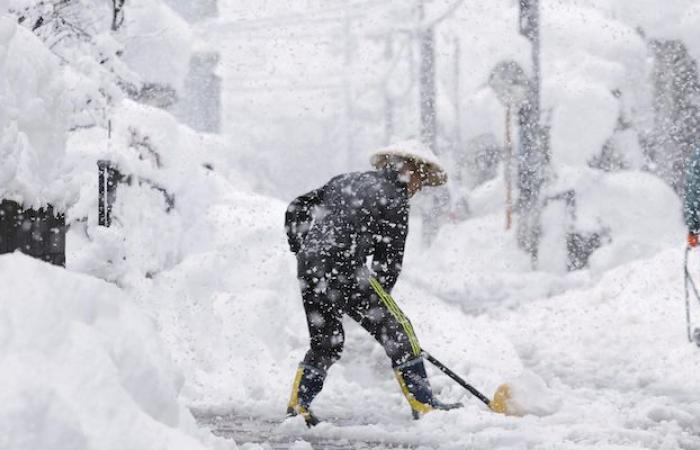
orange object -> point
(693, 240)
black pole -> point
(117, 17)
(108, 179)
(457, 378)
(101, 197)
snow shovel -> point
(695, 336)
(499, 403)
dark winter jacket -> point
(353, 216)
(691, 201)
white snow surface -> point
(596, 360)
(83, 368)
(34, 113)
(159, 43)
(201, 305)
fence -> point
(40, 233)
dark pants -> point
(329, 290)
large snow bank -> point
(82, 367)
(618, 356)
(476, 263)
(232, 311)
(34, 113)
(671, 19)
(149, 144)
(585, 56)
(639, 211)
(159, 43)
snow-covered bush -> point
(35, 92)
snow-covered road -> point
(604, 364)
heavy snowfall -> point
(167, 138)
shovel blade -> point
(501, 400)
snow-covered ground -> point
(597, 361)
(83, 367)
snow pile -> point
(672, 19)
(641, 214)
(605, 366)
(202, 267)
(45, 92)
(635, 214)
(158, 44)
(586, 56)
(594, 356)
(34, 114)
(531, 395)
(175, 175)
(231, 311)
(82, 367)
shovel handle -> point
(472, 390)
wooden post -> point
(40, 233)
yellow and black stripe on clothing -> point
(397, 313)
(325, 302)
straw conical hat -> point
(428, 164)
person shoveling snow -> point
(333, 230)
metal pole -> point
(687, 303)
(427, 82)
(530, 28)
(456, 94)
(347, 87)
(532, 154)
(535, 17)
(103, 177)
(508, 169)
(388, 101)
(101, 197)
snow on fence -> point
(40, 233)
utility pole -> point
(530, 28)
(456, 95)
(426, 40)
(347, 86)
(508, 171)
(533, 154)
(388, 100)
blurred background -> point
(536, 108)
